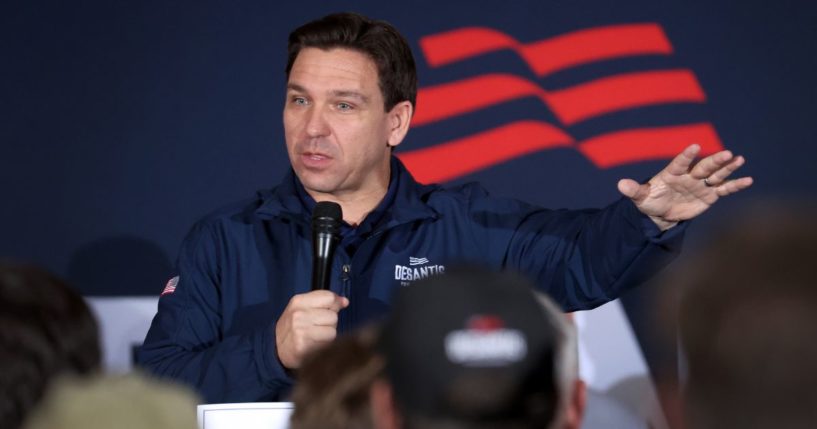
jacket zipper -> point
(345, 286)
(345, 277)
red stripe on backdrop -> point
(456, 45)
(644, 144)
(571, 105)
(553, 54)
(625, 91)
(440, 102)
(459, 157)
(595, 44)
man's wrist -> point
(662, 223)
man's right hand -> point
(309, 320)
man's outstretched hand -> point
(679, 192)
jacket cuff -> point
(647, 226)
(272, 371)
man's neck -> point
(358, 203)
(355, 206)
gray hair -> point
(566, 362)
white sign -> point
(251, 415)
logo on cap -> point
(485, 342)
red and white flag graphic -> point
(170, 287)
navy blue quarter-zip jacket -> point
(239, 267)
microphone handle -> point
(324, 248)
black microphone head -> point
(327, 216)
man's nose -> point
(316, 123)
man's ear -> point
(381, 399)
(575, 407)
(399, 120)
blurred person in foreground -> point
(122, 402)
(334, 383)
(748, 323)
(477, 349)
(46, 330)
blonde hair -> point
(123, 402)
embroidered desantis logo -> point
(418, 268)
(571, 106)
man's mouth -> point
(315, 155)
(315, 159)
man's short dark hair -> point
(46, 330)
(379, 40)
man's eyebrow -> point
(295, 87)
(336, 93)
(351, 94)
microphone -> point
(326, 219)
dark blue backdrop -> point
(124, 122)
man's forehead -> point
(335, 72)
(340, 63)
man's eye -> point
(299, 100)
(344, 106)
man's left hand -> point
(683, 189)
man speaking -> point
(241, 313)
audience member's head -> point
(122, 402)
(477, 349)
(334, 381)
(748, 323)
(46, 329)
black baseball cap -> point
(472, 345)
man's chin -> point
(314, 185)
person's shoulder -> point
(472, 196)
(233, 216)
(462, 193)
(411, 188)
(235, 211)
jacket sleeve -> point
(186, 343)
(585, 258)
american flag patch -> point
(170, 287)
